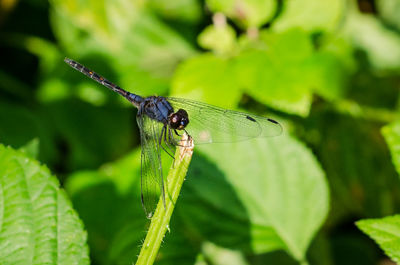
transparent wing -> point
(152, 184)
(211, 124)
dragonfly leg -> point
(171, 137)
(160, 141)
(189, 137)
(167, 141)
(177, 143)
(167, 133)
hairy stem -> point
(160, 221)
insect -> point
(162, 120)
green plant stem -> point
(160, 220)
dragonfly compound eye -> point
(179, 120)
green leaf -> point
(250, 13)
(366, 32)
(331, 66)
(391, 133)
(31, 148)
(389, 10)
(280, 188)
(329, 76)
(207, 78)
(277, 74)
(281, 70)
(222, 256)
(208, 194)
(38, 224)
(386, 233)
(139, 47)
(221, 39)
(310, 15)
(186, 10)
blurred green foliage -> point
(329, 71)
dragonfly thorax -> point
(157, 108)
(178, 120)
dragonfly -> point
(163, 120)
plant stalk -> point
(162, 215)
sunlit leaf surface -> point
(311, 15)
(248, 13)
(386, 233)
(207, 78)
(262, 184)
(38, 224)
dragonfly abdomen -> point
(133, 98)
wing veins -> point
(223, 125)
(152, 183)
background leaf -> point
(270, 200)
(363, 30)
(220, 38)
(31, 149)
(249, 13)
(186, 10)
(38, 224)
(145, 46)
(267, 73)
(389, 9)
(310, 15)
(207, 78)
(386, 232)
(392, 136)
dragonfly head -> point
(178, 120)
